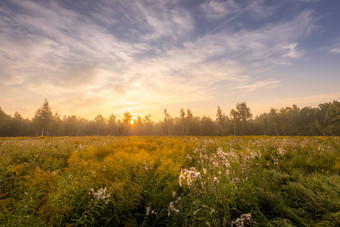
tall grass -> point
(149, 181)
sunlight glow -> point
(133, 120)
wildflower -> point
(216, 180)
(172, 208)
(177, 200)
(174, 194)
(193, 169)
(221, 154)
(215, 162)
(204, 170)
(99, 195)
(149, 211)
(236, 181)
(254, 155)
(145, 167)
(233, 154)
(220, 151)
(244, 220)
(189, 175)
(281, 151)
(189, 158)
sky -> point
(110, 56)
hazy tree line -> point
(309, 121)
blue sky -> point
(91, 57)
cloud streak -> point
(141, 54)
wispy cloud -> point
(121, 55)
(218, 9)
(334, 51)
(259, 84)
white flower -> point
(172, 208)
(99, 195)
(177, 200)
(145, 167)
(193, 169)
(216, 180)
(181, 178)
(149, 211)
(281, 151)
(221, 153)
(189, 175)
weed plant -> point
(169, 181)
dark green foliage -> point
(323, 120)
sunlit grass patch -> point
(98, 181)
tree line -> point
(323, 120)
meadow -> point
(169, 181)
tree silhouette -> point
(243, 113)
(234, 115)
(43, 118)
(221, 119)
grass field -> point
(149, 181)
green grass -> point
(280, 181)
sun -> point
(133, 120)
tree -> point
(70, 125)
(125, 125)
(43, 118)
(234, 116)
(112, 125)
(320, 114)
(221, 119)
(127, 118)
(243, 113)
(5, 125)
(182, 120)
(306, 122)
(262, 121)
(57, 125)
(208, 127)
(274, 117)
(333, 118)
(167, 123)
(100, 123)
(282, 116)
(189, 121)
(292, 116)
(321, 120)
(147, 128)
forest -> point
(323, 120)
